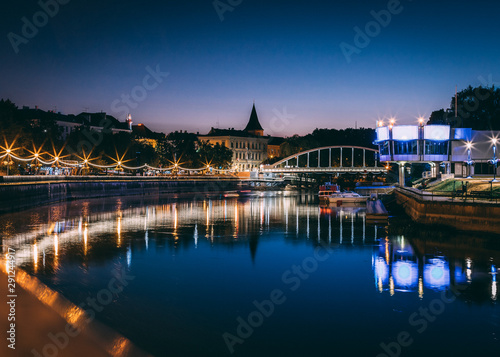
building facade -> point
(249, 146)
(274, 147)
(462, 152)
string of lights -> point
(117, 165)
(21, 159)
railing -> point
(457, 195)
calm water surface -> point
(341, 286)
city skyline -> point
(201, 65)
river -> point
(272, 274)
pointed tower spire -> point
(253, 127)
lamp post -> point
(469, 161)
(8, 161)
(494, 161)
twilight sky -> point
(285, 55)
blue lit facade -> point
(462, 151)
(415, 143)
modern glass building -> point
(461, 152)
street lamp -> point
(8, 162)
(469, 161)
(494, 161)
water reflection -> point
(228, 221)
(402, 266)
(98, 231)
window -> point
(384, 148)
(483, 169)
(436, 147)
(405, 147)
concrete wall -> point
(22, 195)
(466, 216)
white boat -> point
(346, 197)
(326, 190)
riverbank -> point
(45, 323)
(19, 192)
(478, 216)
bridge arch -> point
(329, 158)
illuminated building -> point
(274, 147)
(462, 152)
(144, 135)
(249, 146)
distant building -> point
(70, 122)
(274, 147)
(249, 146)
(93, 121)
(144, 135)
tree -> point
(438, 117)
(183, 148)
(328, 137)
(216, 155)
(13, 129)
(478, 108)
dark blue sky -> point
(282, 54)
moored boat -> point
(326, 190)
(341, 198)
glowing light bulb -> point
(56, 158)
(8, 151)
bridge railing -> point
(330, 156)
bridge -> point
(329, 159)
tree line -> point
(29, 134)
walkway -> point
(36, 321)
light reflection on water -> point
(186, 250)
